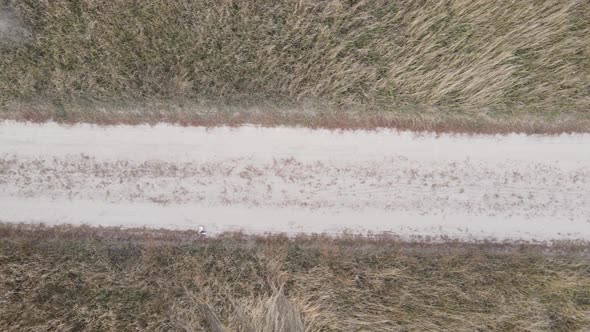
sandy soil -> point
(297, 180)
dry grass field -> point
(476, 65)
(444, 66)
(96, 279)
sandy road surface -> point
(297, 180)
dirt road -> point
(297, 180)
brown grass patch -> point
(82, 278)
(311, 116)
